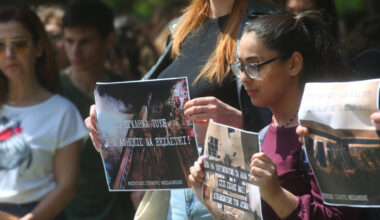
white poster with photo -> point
(343, 147)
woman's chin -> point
(256, 102)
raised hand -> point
(264, 174)
(200, 110)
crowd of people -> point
(246, 62)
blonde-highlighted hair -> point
(217, 66)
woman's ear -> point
(295, 64)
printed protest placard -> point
(343, 147)
(227, 190)
(148, 142)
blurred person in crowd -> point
(202, 43)
(40, 131)
(298, 6)
(163, 15)
(52, 19)
(361, 48)
(328, 6)
(88, 33)
(133, 52)
(274, 75)
(360, 10)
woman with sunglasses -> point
(40, 131)
(278, 54)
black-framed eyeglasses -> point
(251, 69)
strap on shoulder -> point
(262, 133)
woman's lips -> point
(12, 66)
(252, 92)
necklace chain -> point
(287, 123)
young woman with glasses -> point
(278, 53)
(202, 45)
(40, 131)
